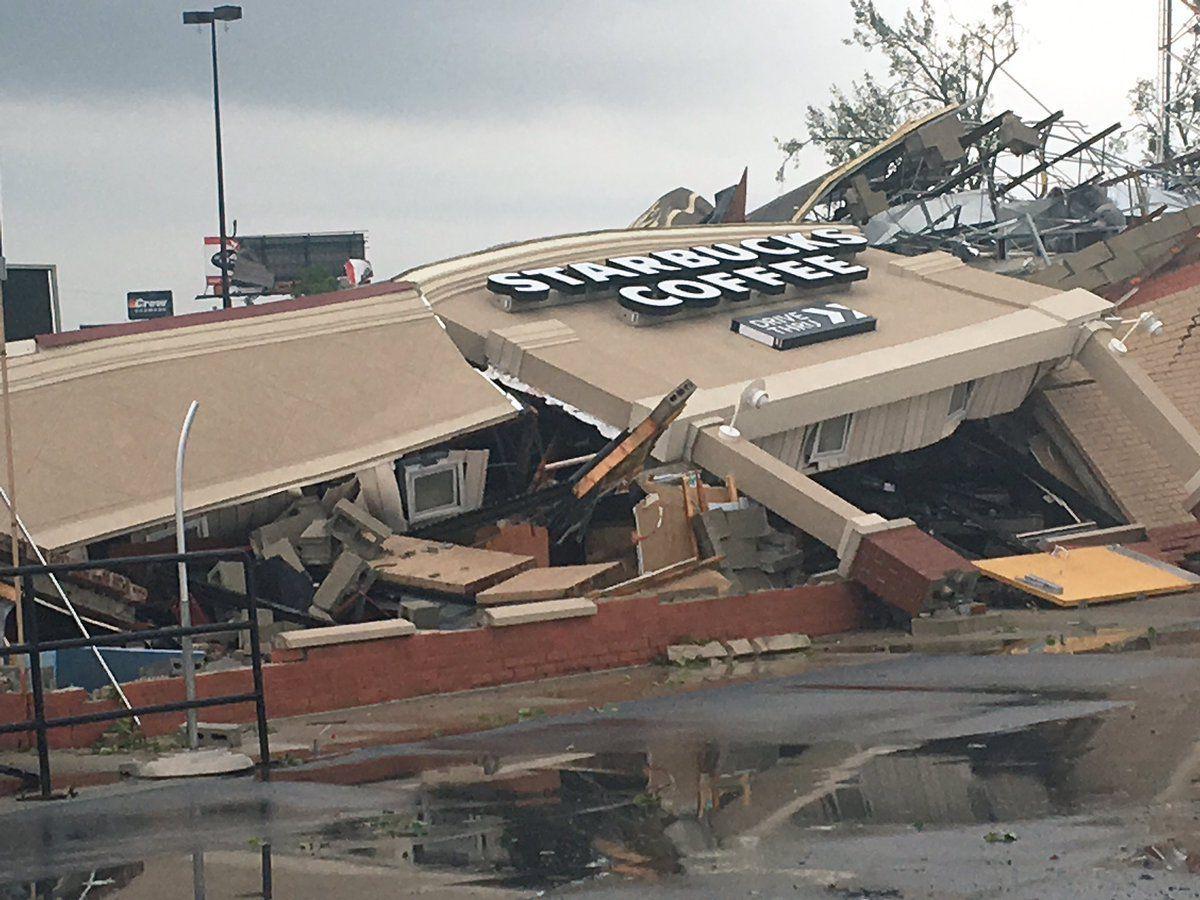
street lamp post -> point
(211, 18)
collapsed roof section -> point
(290, 394)
(1004, 193)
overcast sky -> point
(440, 126)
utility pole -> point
(1165, 39)
(211, 18)
(14, 532)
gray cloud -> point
(439, 127)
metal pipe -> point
(41, 557)
(185, 610)
(226, 302)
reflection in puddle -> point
(529, 827)
(533, 822)
(999, 777)
(93, 883)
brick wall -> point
(624, 632)
(905, 567)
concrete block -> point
(786, 643)
(542, 611)
(739, 553)
(1121, 267)
(229, 575)
(740, 647)
(863, 201)
(759, 645)
(276, 629)
(1164, 228)
(350, 574)
(750, 522)
(347, 490)
(713, 650)
(221, 734)
(358, 530)
(776, 561)
(422, 613)
(943, 626)
(289, 526)
(937, 141)
(285, 551)
(345, 634)
(1051, 275)
(682, 653)
(266, 619)
(716, 524)
(315, 544)
(1018, 137)
(1090, 256)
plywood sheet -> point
(550, 584)
(664, 533)
(1089, 575)
(445, 568)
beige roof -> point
(964, 322)
(299, 394)
(1118, 454)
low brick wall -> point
(624, 632)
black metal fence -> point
(32, 647)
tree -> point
(314, 280)
(1185, 104)
(928, 68)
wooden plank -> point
(445, 568)
(553, 583)
(653, 580)
(1089, 575)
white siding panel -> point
(909, 424)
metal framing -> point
(32, 648)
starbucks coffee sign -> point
(666, 283)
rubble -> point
(443, 567)
(349, 578)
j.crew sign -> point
(668, 282)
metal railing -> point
(33, 647)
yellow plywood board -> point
(1089, 575)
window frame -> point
(413, 473)
(813, 452)
(968, 389)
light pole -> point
(211, 18)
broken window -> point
(960, 397)
(433, 490)
(828, 438)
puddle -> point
(1022, 774)
(645, 794)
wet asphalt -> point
(905, 776)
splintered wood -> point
(550, 584)
(445, 568)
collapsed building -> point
(775, 416)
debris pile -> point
(450, 538)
